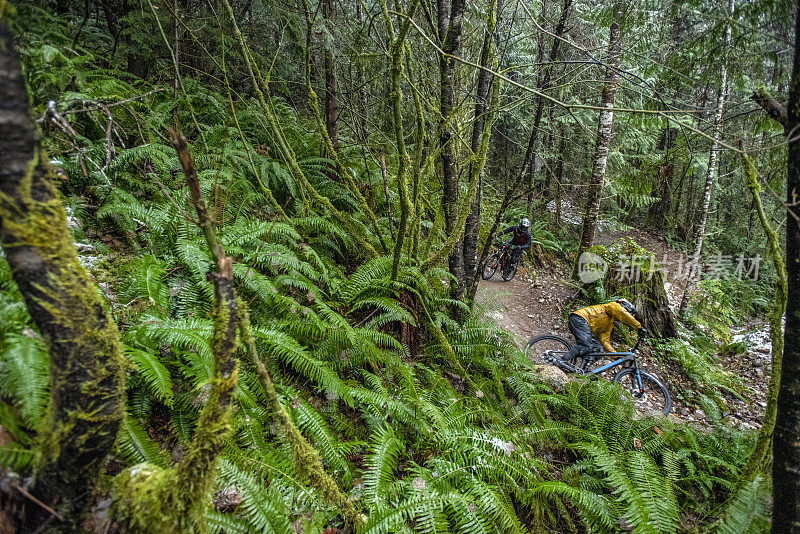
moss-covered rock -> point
(143, 500)
(551, 376)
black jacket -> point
(522, 236)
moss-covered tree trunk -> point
(450, 26)
(86, 377)
(786, 441)
(760, 457)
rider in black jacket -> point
(521, 239)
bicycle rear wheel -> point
(491, 266)
(538, 345)
(652, 399)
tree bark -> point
(786, 441)
(699, 233)
(470, 244)
(115, 11)
(773, 108)
(605, 124)
(450, 30)
(86, 365)
(331, 103)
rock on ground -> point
(552, 376)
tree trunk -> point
(115, 11)
(559, 177)
(331, 104)
(450, 32)
(86, 365)
(660, 211)
(470, 244)
(605, 123)
(699, 233)
(514, 184)
(786, 443)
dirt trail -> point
(533, 302)
(530, 304)
(536, 301)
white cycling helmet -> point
(525, 223)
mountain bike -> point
(649, 395)
(500, 258)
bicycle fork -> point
(639, 391)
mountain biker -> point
(521, 239)
(599, 320)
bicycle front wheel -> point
(508, 275)
(651, 399)
(491, 266)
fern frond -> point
(24, 375)
(135, 445)
(153, 371)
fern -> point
(136, 446)
(266, 511)
(153, 371)
(145, 283)
(749, 510)
(17, 457)
(24, 375)
(379, 477)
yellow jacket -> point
(601, 320)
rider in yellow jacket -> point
(598, 320)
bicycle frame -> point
(505, 254)
(627, 356)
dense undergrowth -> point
(428, 425)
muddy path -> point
(538, 300)
(533, 303)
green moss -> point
(7, 11)
(86, 369)
(623, 251)
(144, 500)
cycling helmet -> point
(627, 306)
(525, 223)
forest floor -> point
(539, 299)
